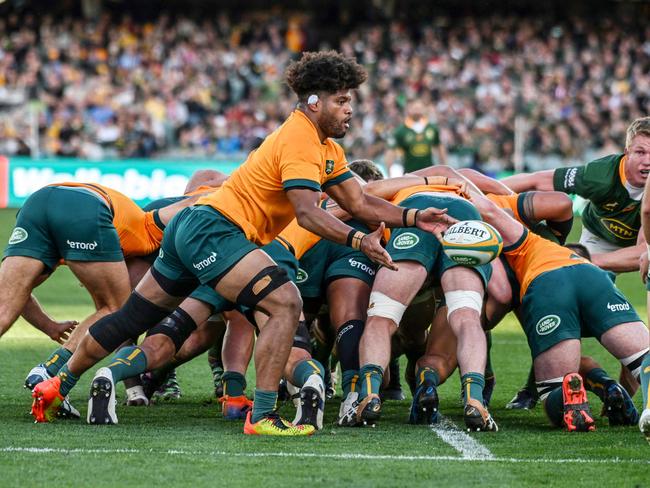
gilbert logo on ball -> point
(472, 242)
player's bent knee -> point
(177, 326)
(263, 284)
(460, 299)
(135, 317)
(384, 306)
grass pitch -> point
(187, 442)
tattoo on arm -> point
(529, 209)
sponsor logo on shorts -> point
(618, 307)
(570, 178)
(84, 246)
(204, 263)
(362, 266)
(619, 229)
(161, 254)
(547, 324)
(18, 235)
(405, 241)
(301, 276)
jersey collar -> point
(634, 192)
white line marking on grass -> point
(465, 444)
(315, 455)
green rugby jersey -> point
(416, 146)
(613, 210)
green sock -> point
(350, 381)
(371, 377)
(128, 362)
(57, 359)
(264, 404)
(597, 381)
(234, 383)
(304, 369)
(473, 384)
(427, 374)
(68, 380)
(644, 379)
(554, 406)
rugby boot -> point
(273, 424)
(577, 416)
(283, 391)
(424, 407)
(311, 404)
(135, 397)
(477, 418)
(618, 407)
(37, 375)
(369, 410)
(170, 390)
(47, 400)
(235, 407)
(523, 400)
(67, 410)
(348, 410)
(644, 424)
(101, 401)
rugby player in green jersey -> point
(613, 186)
(415, 139)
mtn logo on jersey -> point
(362, 266)
(619, 229)
(204, 263)
(85, 246)
(406, 241)
(18, 235)
(547, 324)
(618, 307)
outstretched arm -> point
(509, 228)
(36, 316)
(485, 183)
(540, 180)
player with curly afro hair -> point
(322, 81)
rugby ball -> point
(472, 242)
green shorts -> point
(558, 306)
(328, 261)
(201, 244)
(413, 244)
(71, 223)
(276, 251)
(163, 202)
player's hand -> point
(434, 220)
(60, 331)
(461, 184)
(643, 266)
(371, 247)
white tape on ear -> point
(463, 299)
(313, 98)
(384, 306)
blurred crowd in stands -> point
(178, 87)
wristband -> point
(409, 217)
(354, 238)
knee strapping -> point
(135, 317)
(347, 344)
(456, 300)
(384, 306)
(633, 363)
(262, 284)
(302, 339)
(178, 326)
